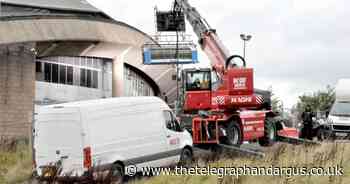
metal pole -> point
(177, 66)
(244, 42)
(245, 39)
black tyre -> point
(186, 157)
(234, 134)
(116, 175)
(269, 134)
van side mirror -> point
(178, 127)
(169, 125)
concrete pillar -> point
(117, 78)
(17, 86)
(118, 72)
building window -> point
(95, 79)
(88, 78)
(47, 69)
(83, 81)
(69, 72)
(63, 74)
(54, 74)
(39, 71)
(135, 85)
(38, 68)
(70, 75)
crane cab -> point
(197, 84)
(205, 90)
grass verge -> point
(15, 162)
(288, 156)
(16, 165)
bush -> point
(15, 161)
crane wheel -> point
(269, 133)
(234, 134)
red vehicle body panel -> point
(288, 132)
(240, 81)
(253, 124)
(197, 100)
(207, 130)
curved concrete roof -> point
(75, 5)
(66, 28)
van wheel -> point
(186, 157)
(269, 133)
(234, 134)
(116, 174)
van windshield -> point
(341, 109)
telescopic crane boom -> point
(208, 39)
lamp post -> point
(245, 38)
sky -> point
(297, 46)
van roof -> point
(342, 90)
(112, 101)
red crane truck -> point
(220, 101)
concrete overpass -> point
(37, 28)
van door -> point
(58, 139)
(173, 134)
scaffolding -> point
(170, 44)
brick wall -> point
(17, 80)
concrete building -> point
(58, 51)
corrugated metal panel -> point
(71, 5)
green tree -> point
(320, 100)
(276, 104)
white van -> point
(108, 133)
(339, 117)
